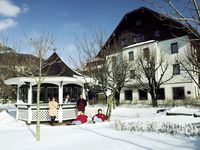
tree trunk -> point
(38, 112)
(117, 97)
(154, 103)
(153, 97)
(114, 102)
(109, 107)
(38, 100)
(108, 111)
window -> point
(161, 93)
(178, 93)
(52, 91)
(146, 53)
(124, 42)
(176, 69)
(73, 90)
(138, 22)
(132, 74)
(128, 95)
(139, 38)
(43, 95)
(46, 91)
(174, 48)
(23, 93)
(131, 56)
(143, 94)
(157, 33)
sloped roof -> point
(129, 18)
(55, 66)
(141, 10)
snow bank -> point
(160, 123)
(7, 120)
(182, 110)
(8, 107)
(197, 114)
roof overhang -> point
(140, 44)
(55, 80)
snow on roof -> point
(70, 68)
(139, 44)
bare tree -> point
(108, 66)
(188, 13)
(90, 62)
(190, 62)
(118, 72)
(41, 46)
(152, 72)
(117, 76)
(185, 11)
(34, 65)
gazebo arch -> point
(23, 93)
(74, 90)
(47, 90)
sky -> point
(64, 19)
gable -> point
(55, 66)
(144, 25)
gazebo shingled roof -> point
(55, 66)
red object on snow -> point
(101, 116)
(82, 118)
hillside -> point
(12, 64)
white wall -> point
(164, 48)
(187, 87)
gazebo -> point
(58, 81)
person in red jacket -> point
(80, 119)
(81, 103)
(99, 117)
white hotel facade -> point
(181, 86)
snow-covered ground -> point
(99, 136)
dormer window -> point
(146, 53)
(132, 74)
(131, 56)
(138, 22)
(139, 38)
(157, 33)
(176, 69)
(124, 42)
(174, 48)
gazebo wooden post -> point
(84, 93)
(60, 101)
(17, 111)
